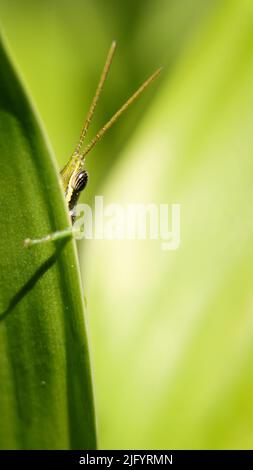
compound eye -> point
(80, 181)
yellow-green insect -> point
(74, 176)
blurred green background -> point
(171, 332)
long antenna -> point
(96, 98)
(116, 116)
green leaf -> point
(46, 399)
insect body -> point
(77, 182)
(74, 176)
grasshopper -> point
(74, 176)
